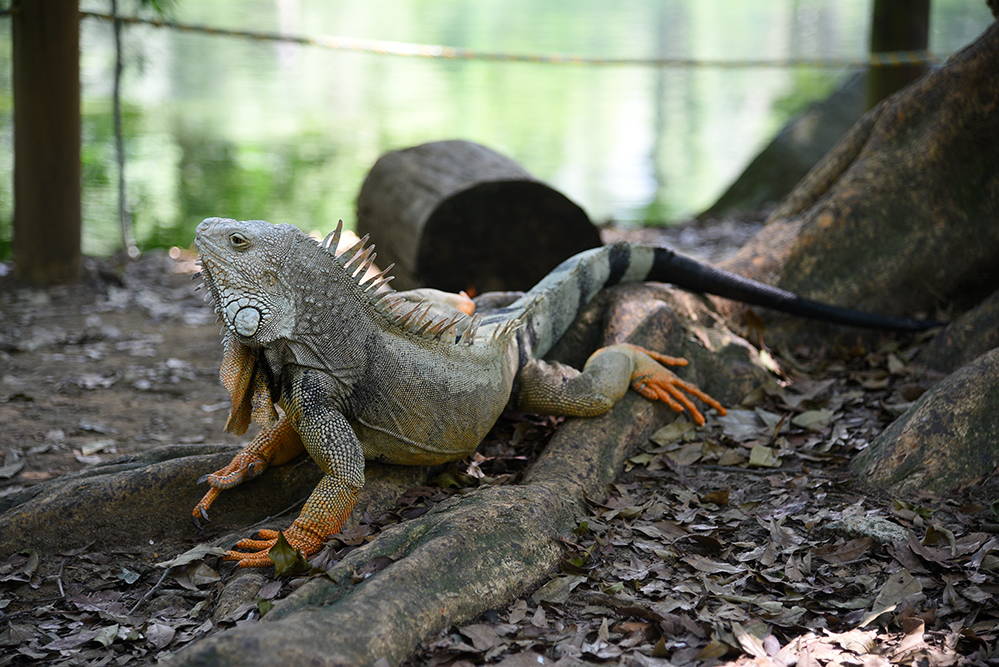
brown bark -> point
(135, 499)
(896, 25)
(969, 336)
(900, 218)
(47, 219)
(901, 214)
(455, 215)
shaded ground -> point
(121, 363)
(742, 541)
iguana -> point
(362, 373)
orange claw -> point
(324, 514)
(276, 443)
(302, 536)
(654, 382)
(244, 466)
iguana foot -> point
(654, 382)
(275, 444)
(300, 536)
(243, 467)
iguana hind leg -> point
(553, 388)
(275, 444)
(655, 382)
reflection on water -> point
(248, 129)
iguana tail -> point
(549, 308)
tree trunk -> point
(896, 25)
(46, 50)
(900, 217)
(455, 215)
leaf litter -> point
(740, 543)
(746, 543)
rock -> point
(948, 439)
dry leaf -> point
(899, 586)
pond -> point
(244, 128)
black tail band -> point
(697, 277)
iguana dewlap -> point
(362, 374)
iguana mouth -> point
(230, 312)
(209, 285)
(207, 281)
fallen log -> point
(455, 215)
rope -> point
(406, 49)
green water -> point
(249, 129)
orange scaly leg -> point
(333, 445)
(324, 513)
(274, 445)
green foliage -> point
(222, 126)
(807, 86)
(241, 181)
(164, 8)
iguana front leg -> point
(553, 388)
(276, 444)
(329, 439)
(323, 515)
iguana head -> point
(244, 266)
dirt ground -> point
(125, 361)
(710, 549)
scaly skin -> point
(656, 383)
(405, 378)
(409, 378)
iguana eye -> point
(238, 241)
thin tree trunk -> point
(124, 215)
(47, 219)
(896, 25)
